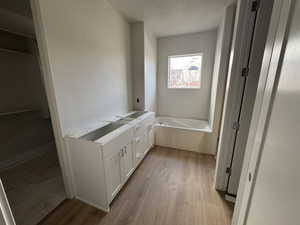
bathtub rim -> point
(206, 129)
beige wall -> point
(186, 103)
(88, 46)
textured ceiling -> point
(172, 17)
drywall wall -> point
(137, 45)
(150, 42)
(15, 22)
(275, 197)
(21, 85)
(20, 82)
(222, 57)
(186, 103)
(89, 60)
(143, 64)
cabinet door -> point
(151, 137)
(127, 162)
(140, 147)
(113, 174)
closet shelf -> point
(17, 112)
(15, 51)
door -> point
(261, 19)
(275, 198)
(114, 173)
(127, 161)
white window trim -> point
(183, 55)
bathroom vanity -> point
(103, 159)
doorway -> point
(29, 166)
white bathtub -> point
(185, 134)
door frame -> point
(233, 103)
(5, 210)
(62, 150)
(234, 90)
(273, 56)
(255, 58)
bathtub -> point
(185, 134)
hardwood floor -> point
(170, 187)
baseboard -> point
(24, 157)
(182, 149)
(106, 210)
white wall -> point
(143, 64)
(150, 71)
(20, 82)
(88, 45)
(186, 103)
(138, 64)
(275, 199)
(220, 72)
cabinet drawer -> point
(117, 143)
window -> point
(185, 71)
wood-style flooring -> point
(170, 187)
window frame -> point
(184, 55)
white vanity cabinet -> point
(118, 164)
(101, 166)
(144, 136)
(151, 136)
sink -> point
(102, 131)
(136, 114)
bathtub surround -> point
(203, 106)
(184, 134)
(179, 103)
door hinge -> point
(245, 72)
(255, 6)
(236, 125)
(228, 170)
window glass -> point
(185, 71)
